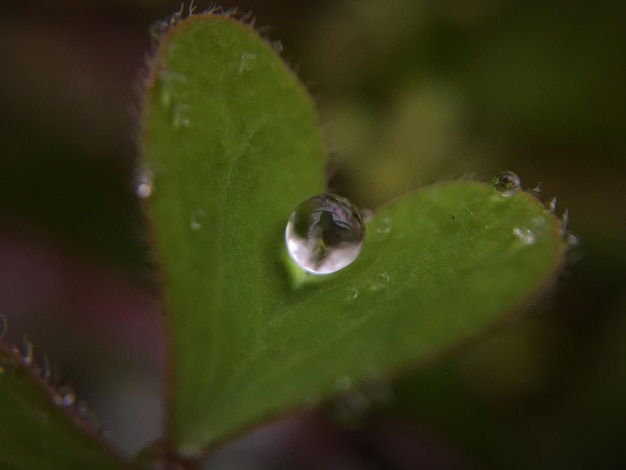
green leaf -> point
(38, 429)
(232, 139)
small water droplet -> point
(247, 62)
(384, 227)
(352, 293)
(506, 183)
(324, 234)
(180, 117)
(526, 236)
(144, 181)
(381, 280)
(196, 220)
(170, 85)
(64, 396)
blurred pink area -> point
(101, 331)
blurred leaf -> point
(232, 140)
(38, 428)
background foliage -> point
(410, 93)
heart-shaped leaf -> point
(232, 140)
(39, 430)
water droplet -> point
(551, 206)
(383, 227)
(526, 236)
(196, 220)
(170, 84)
(180, 117)
(352, 293)
(144, 181)
(380, 281)
(247, 62)
(506, 183)
(325, 233)
(64, 396)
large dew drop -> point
(325, 234)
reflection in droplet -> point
(506, 183)
(526, 236)
(324, 234)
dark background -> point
(410, 93)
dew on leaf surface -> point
(384, 227)
(324, 234)
(506, 183)
(526, 236)
(196, 220)
(247, 62)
